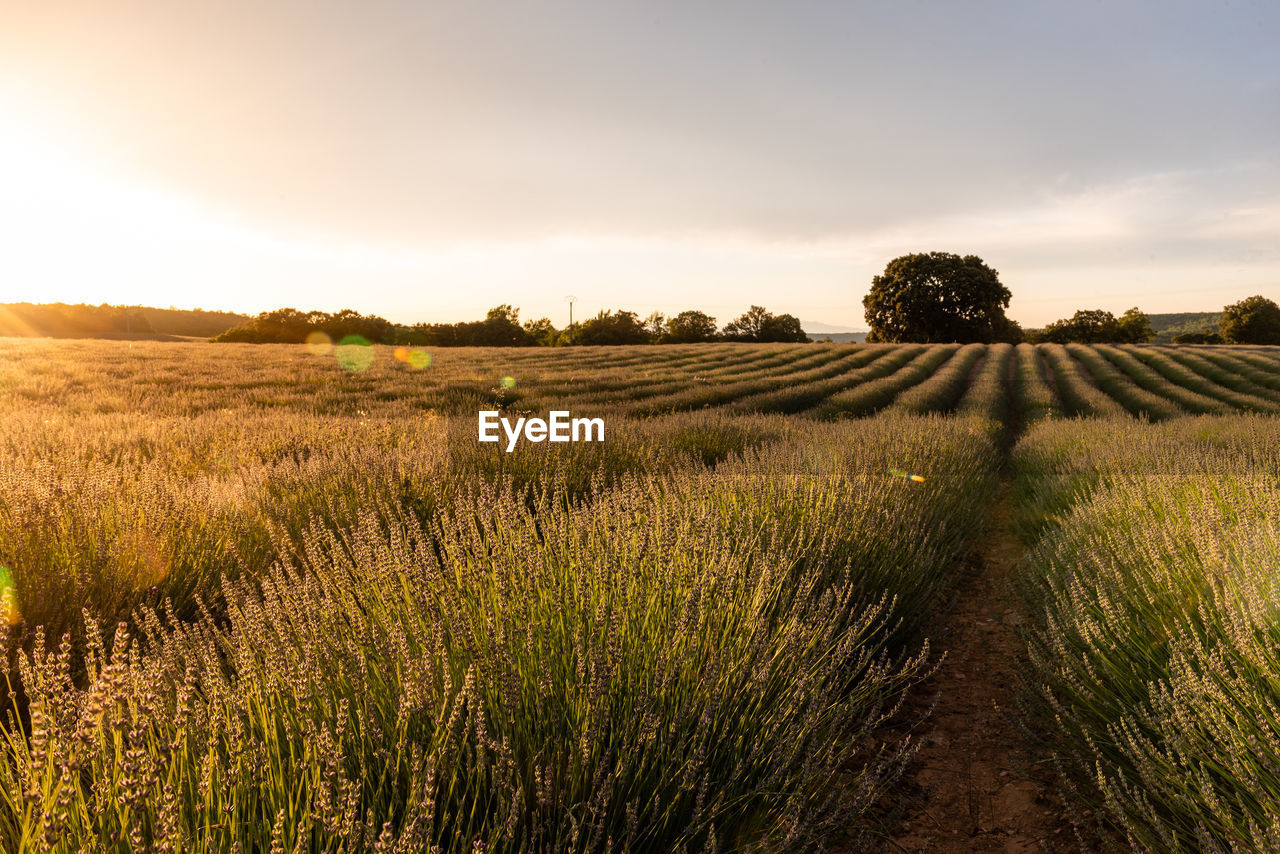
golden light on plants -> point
(333, 547)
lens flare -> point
(508, 382)
(318, 343)
(8, 598)
(355, 353)
(416, 359)
(906, 475)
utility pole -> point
(571, 299)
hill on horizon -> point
(817, 327)
(1168, 325)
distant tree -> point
(689, 327)
(349, 322)
(281, 326)
(1134, 327)
(1198, 338)
(1094, 326)
(749, 326)
(569, 335)
(291, 326)
(785, 328)
(937, 296)
(500, 328)
(505, 313)
(759, 325)
(655, 325)
(610, 328)
(541, 331)
(1255, 320)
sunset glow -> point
(246, 158)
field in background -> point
(346, 625)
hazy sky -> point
(426, 160)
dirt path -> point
(974, 785)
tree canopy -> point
(609, 327)
(1095, 326)
(291, 326)
(1254, 320)
(759, 325)
(690, 327)
(938, 296)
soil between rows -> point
(974, 785)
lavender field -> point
(271, 598)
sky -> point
(426, 160)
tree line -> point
(942, 297)
(64, 320)
(501, 327)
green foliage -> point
(1034, 399)
(1153, 639)
(938, 296)
(541, 331)
(290, 326)
(1120, 385)
(1100, 327)
(348, 626)
(872, 395)
(1255, 320)
(1169, 326)
(500, 328)
(760, 326)
(1134, 327)
(612, 328)
(690, 327)
(941, 391)
(987, 396)
(677, 661)
(1198, 338)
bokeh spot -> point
(354, 353)
(318, 343)
(8, 598)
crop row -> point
(823, 381)
(1153, 639)
(387, 637)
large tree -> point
(938, 296)
(1255, 320)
